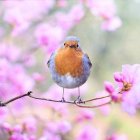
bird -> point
(69, 66)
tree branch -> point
(2, 104)
(29, 94)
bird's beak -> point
(72, 46)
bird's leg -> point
(79, 100)
(79, 96)
(63, 99)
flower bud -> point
(109, 87)
(118, 77)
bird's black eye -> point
(64, 44)
(77, 46)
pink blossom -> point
(84, 114)
(68, 20)
(32, 137)
(117, 137)
(14, 79)
(17, 132)
(115, 97)
(107, 11)
(52, 127)
(103, 8)
(87, 133)
(118, 76)
(57, 127)
(18, 136)
(64, 127)
(38, 8)
(28, 59)
(17, 128)
(129, 87)
(38, 77)
(49, 36)
(109, 87)
(111, 24)
(14, 17)
(50, 136)
(64, 21)
(7, 127)
(62, 3)
(9, 52)
(3, 114)
(29, 125)
(20, 15)
(73, 13)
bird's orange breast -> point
(69, 60)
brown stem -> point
(98, 98)
(94, 106)
(50, 100)
(2, 104)
(13, 99)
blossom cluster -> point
(127, 89)
(27, 16)
(106, 10)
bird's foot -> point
(63, 100)
(79, 100)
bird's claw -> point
(79, 100)
(63, 100)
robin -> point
(70, 66)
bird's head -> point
(71, 42)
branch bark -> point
(29, 94)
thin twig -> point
(29, 94)
(2, 104)
(98, 98)
(51, 100)
(94, 106)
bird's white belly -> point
(67, 81)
